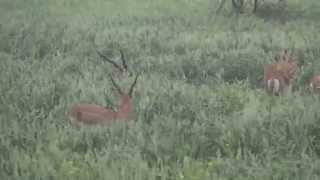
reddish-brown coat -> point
(92, 114)
(282, 71)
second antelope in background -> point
(314, 84)
(278, 77)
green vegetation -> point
(200, 111)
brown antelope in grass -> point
(314, 84)
(92, 114)
(278, 77)
(121, 70)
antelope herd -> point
(278, 78)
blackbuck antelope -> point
(92, 114)
(121, 70)
(278, 77)
(314, 84)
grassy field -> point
(199, 108)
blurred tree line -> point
(241, 6)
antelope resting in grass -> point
(92, 114)
(314, 84)
(278, 77)
(121, 70)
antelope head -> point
(289, 65)
(124, 106)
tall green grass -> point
(199, 108)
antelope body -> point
(278, 76)
(93, 114)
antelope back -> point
(90, 114)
